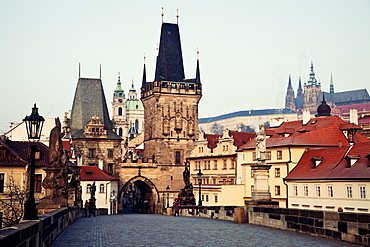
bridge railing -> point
(41, 232)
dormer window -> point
(316, 160)
(351, 159)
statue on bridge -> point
(261, 144)
(186, 196)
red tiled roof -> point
(212, 140)
(241, 138)
(321, 131)
(364, 120)
(19, 153)
(345, 109)
(334, 164)
(93, 173)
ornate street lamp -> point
(163, 198)
(200, 174)
(34, 124)
(168, 196)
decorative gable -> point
(95, 129)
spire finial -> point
(144, 58)
(162, 14)
(99, 71)
(157, 46)
(132, 82)
(177, 16)
(197, 53)
(79, 70)
(119, 76)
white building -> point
(106, 188)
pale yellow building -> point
(215, 156)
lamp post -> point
(34, 124)
(168, 196)
(200, 187)
(163, 196)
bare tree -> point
(11, 203)
(217, 129)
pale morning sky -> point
(247, 49)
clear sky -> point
(247, 49)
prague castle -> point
(310, 97)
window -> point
(216, 199)
(200, 149)
(215, 165)
(252, 188)
(305, 190)
(2, 153)
(206, 198)
(110, 167)
(120, 132)
(295, 190)
(38, 182)
(2, 180)
(232, 164)
(88, 188)
(277, 190)
(268, 155)
(279, 154)
(362, 192)
(225, 165)
(254, 156)
(101, 188)
(252, 173)
(177, 157)
(277, 172)
(120, 111)
(318, 190)
(37, 155)
(110, 153)
(330, 191)
(202, 197)
(91, 152)
(349, 191)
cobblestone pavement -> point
(160, 230)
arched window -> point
(120, 132)
(119, 111)
(137, 124)
(101, 188)
(88, 188)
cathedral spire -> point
(299, 91)
(312, 80)
(290, 83)
(119, 92)
(331, 84)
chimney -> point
(353, 116)
(306, 116)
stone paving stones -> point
(160, 230)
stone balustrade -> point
(41, 232)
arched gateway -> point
(140, 195)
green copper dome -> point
(134, 105)
(119, 92)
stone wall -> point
(40, 232)
(349, 227)
(212, 212)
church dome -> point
(323, 109)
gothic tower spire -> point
(289, 99)
(299, 91)
(197, 73)
(143, 84)
(331, 84)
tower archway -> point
(139, 195)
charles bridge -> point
(204, 226)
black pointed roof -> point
(89, 100)
(170, 65)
